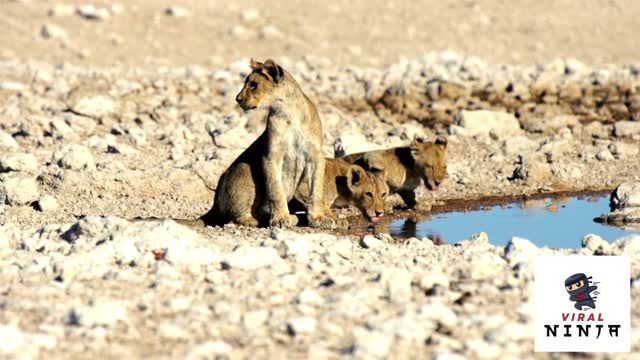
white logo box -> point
(611, 275)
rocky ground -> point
(104, 118)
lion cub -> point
(257, 186)
(406, 166)
(346, 183)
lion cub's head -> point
(430, 160)
(369, 191)
(261, 85)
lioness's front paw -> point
(284, 221)
(321, 221)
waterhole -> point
(553, 222)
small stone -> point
(484, 122)
(61, 10)
(371, 343)
(604, 155)
(7, 141)
(254, 319)
(75, 157)
(623, 150)
(626, 195)
(628, 245)
(246, 257)
(628, 129)
(91, 12)
(12, 86)
(18, 190)
(432, 279)
(371, 242)
(594, 243)
(520, 250)
(178, 304)
(301, 325)
(341, 247)
(176, 11)
(49, 31)
(309, 297)
(397, 283)
(94, 106)
(18, 162)
(47, 203)
(172, 332)
(105, 314)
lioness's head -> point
(260, 86)
(430, 160)
(369, 191)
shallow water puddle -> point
(546, 222)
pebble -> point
(94, 106)
(371, 343)
(176, 11)
(75, 157)
(301, 325)
(18, 190)
(90, 12)
(47, 203)
(103, 314)
(19, 162)
(246, 257)
(7, 141)
(49, 31)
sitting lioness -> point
(257, 186)
(406, 166)
(346, 183)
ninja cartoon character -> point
(577, 286)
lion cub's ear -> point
(442, 141)
(255, 65)
(417, 144)
(273, 70)
(354, 177)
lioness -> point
(346, 183)
(257, 186)
(406, 166)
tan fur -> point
(407, 166)
(349, 184)
(257, 186)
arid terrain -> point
(116, 111)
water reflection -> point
(557, 222)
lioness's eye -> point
(369, 194)
(253, 85)
(384, 195)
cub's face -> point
(430, 160)
(369, 191)
(260, 86)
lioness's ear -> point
(274, 70)
(255, 65)
(354, 176)
(442, 141)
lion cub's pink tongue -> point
(434, 188)
(374, 219)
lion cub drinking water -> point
(257, 186)
(346, 183)
(406, 166)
